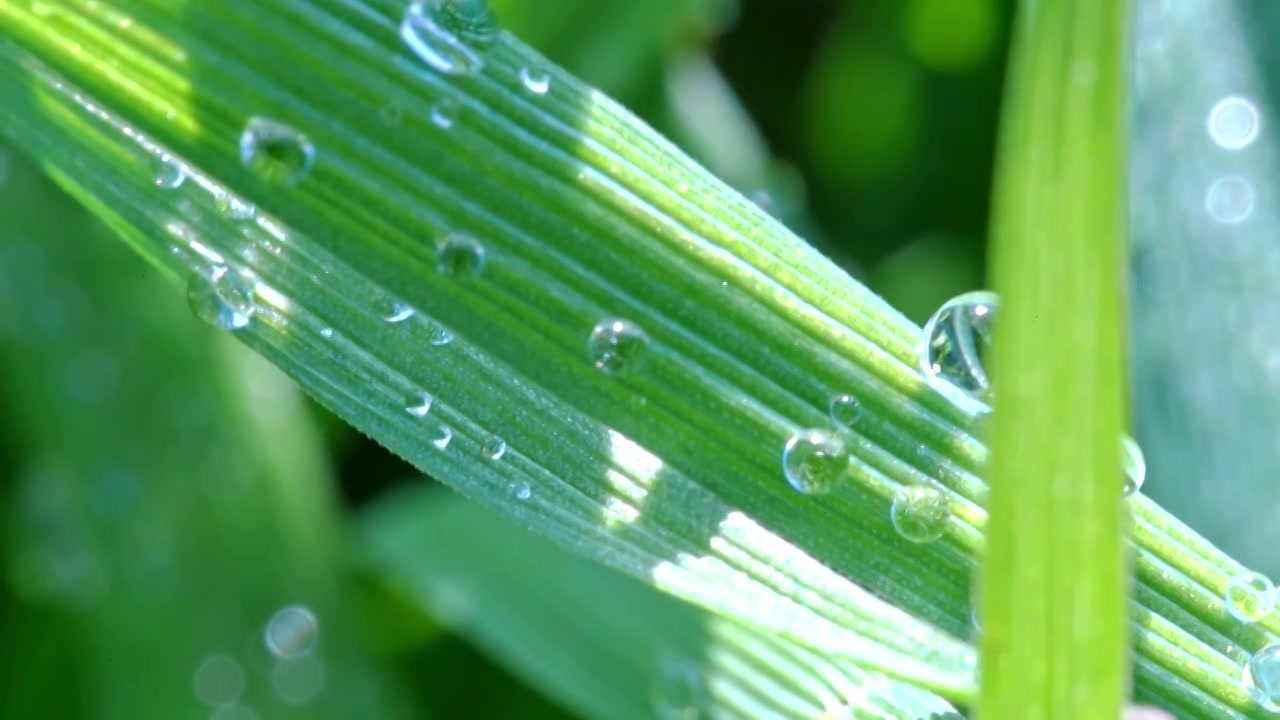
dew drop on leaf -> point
(440, 335)
(494, 447)
(814, 461)
(1250, 596)
(957, 342)
(535, 81)
(459, 256)
(920, 513)
(617, 346)
(275, 152)
(417, 404)
(521, 490)
(1133, 464)
(1261, 678)
(170, 173)
(443, 436)
(449, 35)
(845, 410)
(444, 113)
(221, 297)
(394, 311)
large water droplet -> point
(221, 297)
(1234, 123)
(459, 256)
(449, 35)
(291, 632)
(680, 692)
(814, 461)
(1250, 596)
(845, 410)
(536, 82)
(920, 513)
(1261, 678)
(1134, 465)
(617, 346)
(418, 404)
(495, 447)
(957, 340)
(275, 152)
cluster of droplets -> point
(290, 638)
(954, 356)
(1233, 124)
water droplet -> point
(1261, 678)
(298, 681)
(418, 404)
(680, 692)
(920, 513)
(218, 679)
(1234, 123)
(394, 311)
(845, 410)
(1250, 596)
(522, 490)
(275, 152)
(234, 207)
(495, 447)
(1134, 465)
(440, 335)
(1229, 200)
(171, 173)
(535, 81)
(449, 35)
(617, 346)
(221, 297)
(444, 113)
(326, 333)
(814, 461)
(291, 632)
(956, 341)
(459, 256)
(443, 436)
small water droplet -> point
(956, 342)
(680, 692)
(444, 113)
(394, 311)
(234, 207)
(443, 436)
(536, 82)
(218, 679)
(617, 346)
(1234, 123)
(845, 410)
(1250, 596)
(449, 35)
(440, 335)
(326, 333)
(292, 632)
(275, 152)
(171, 173)
(495, 447)
(418, 404)
(1229, 200)
(920, 513)
(814, 461)
(1261, 678)
(221, 297)
(521, 490)
(1133, 464)
(459, 256)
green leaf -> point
(1054, 585)
(605, 644)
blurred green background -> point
(175, 547)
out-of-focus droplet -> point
(1133, 464)
(221, 297)
(459, 256)
(276, 152)
(617, 346)
(814, 461)
(1234, 123)
(292, 632)
(234, 207)
(298, 681)
(1261, 678)
(218, 679)
(680, 692)
(444, 113)
(170, 173)
(1229, 200)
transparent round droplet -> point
(1250, 596)
(444, 113)
(459, 256)
(292, 632)
(957, 342)
(394, 311)
(276, 152)
(1261, 678)
(449, 35)
(617, 346)
(443, 436)
(440, 335)
(845, 410)
(326, 333)
(920, 513)
(221, 297)
(1133, 464)
(234, 207)
(536, 82)
(814, 461)
(417, 404)
(170, 172)
(1234, 123)
(521, 490)
(680, 692)
(494, 447)
(1229, 200)
(298, 681)
(218, 679)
